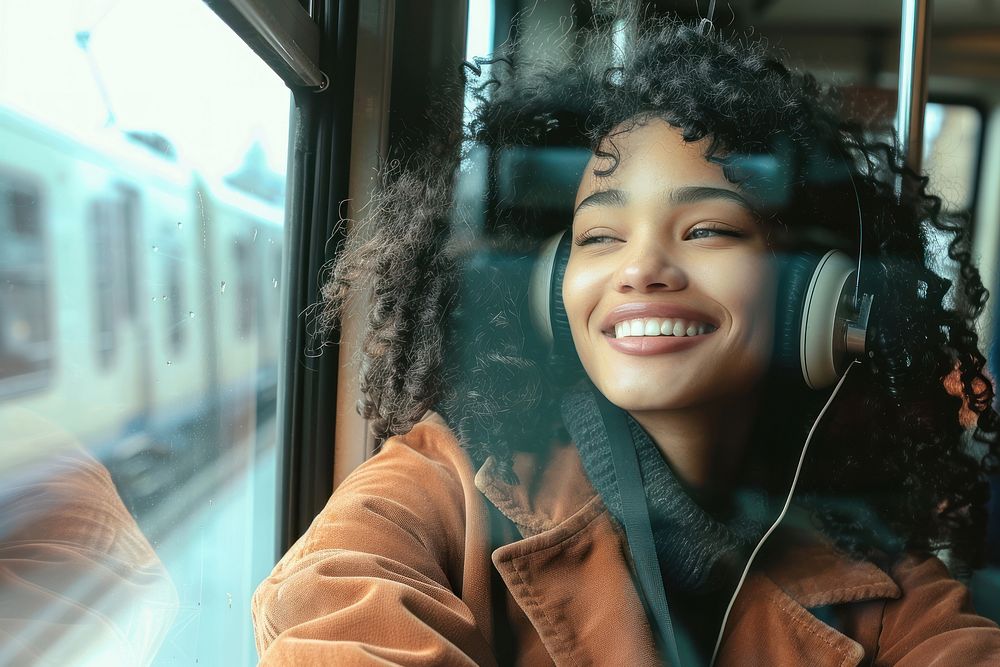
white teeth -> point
(652, 326)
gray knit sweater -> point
(698, 551)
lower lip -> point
(647, 345)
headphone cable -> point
(781, 515)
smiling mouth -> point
(659, 326)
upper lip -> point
(632, 311)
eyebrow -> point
(689, 194)
(615, 198)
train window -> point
(103, 255)
(129, 203)
(246, 269)
(952, 140)
(25, 327)
(176, 320)
(138, 482)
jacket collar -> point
(553, 487)
(558, 512)
(803, 564)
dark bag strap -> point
(502, 532)
(638, 529)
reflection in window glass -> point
(139, 471)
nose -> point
(649, 267)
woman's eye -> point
(712, 231)
(594, 238)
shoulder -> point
(927, 585)
(430, 452)
(417, 482)
(430, 438)
(933, 618)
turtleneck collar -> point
(698, 551)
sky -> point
(171, 67)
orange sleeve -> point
(933, 622)
(378, 576)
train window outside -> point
(25, 327)
(105, 253)
(129, 202)
(138, 482)
(246, 295)
(176, 322)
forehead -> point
(651, 156)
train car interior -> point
(176, 180)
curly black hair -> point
(445, 272)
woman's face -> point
(670, 285)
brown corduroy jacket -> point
(397, 570)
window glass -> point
(142, 171)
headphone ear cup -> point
(562, 337)
(809, 321)
(545, 302)
(794, 275)
(540, 289)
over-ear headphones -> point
(821, 320)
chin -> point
(642, 397)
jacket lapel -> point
(574, 585)
(570, 573)
(767, 627)
(799, 574)
(570, 576)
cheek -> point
(747, 290)
(758, 302)
(580, 293)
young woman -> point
(607, 499)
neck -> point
(704, 445)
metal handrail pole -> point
(914, 38)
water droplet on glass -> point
(165, 297)
(154, 299)
(179, 224)
(275, 283)
(156, 248)
(222, 287)
(254, 234)
(170, 363)
(191, 314)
